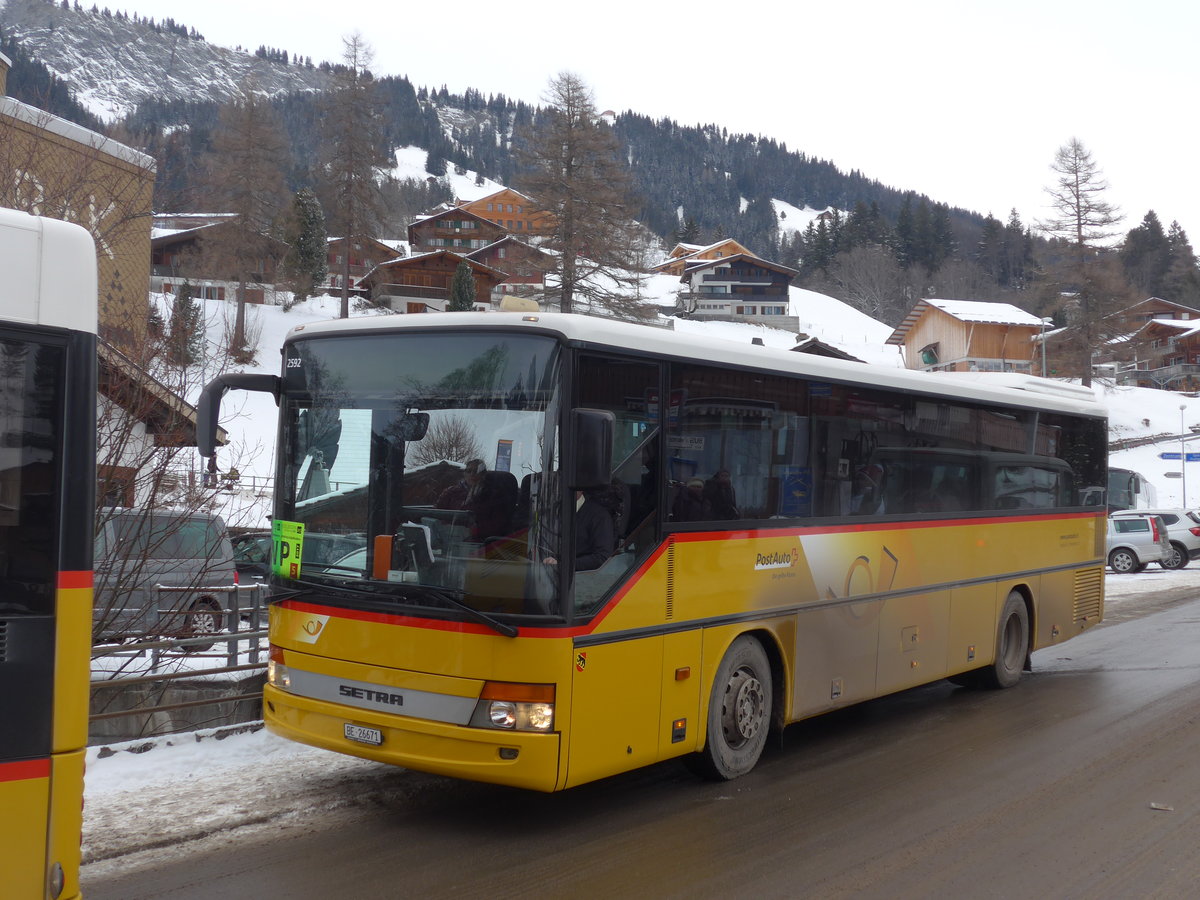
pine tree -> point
(1182, 281)
(353, 155)
(185, 338)
(575, 172)
(1085, 221)
(306, 264)
(1146, 256)
(245, 176)
(462, 289)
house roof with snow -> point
(970, 311)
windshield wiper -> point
(444, 594)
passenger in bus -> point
(867, 490)
(690, 503)
(490, 498)
(718, 491)
(595, 533)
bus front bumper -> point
(518, 759)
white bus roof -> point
(1008, 388)
(49, 271)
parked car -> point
(1183, 531)
(1135, 540)
(138, 549)
(252, 551)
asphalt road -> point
(1082, 781)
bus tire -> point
(203, 618)
(1012, 645)
(739, 713)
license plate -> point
(363, 735)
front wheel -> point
(739, 712)
(1012, 645)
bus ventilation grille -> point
(3, 640)
(1089, 585)
(670, 578)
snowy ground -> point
(154, 796)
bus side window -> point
(629, 389)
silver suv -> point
(1135, 540)
(136, 550)
(1183, 531)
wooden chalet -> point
(741, 287)
(454, 229)
(1164, 354)
(365, 254)
(522, 263)
(421, 283)
(511, 210)
(682, 255)
(968, 335)
(181, 255)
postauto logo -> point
(780, 559)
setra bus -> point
(47, 489)
(587, 546)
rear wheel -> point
(739, 712)
(1012, 645)
(204, 618)
(1123, 561)
(1176, 558)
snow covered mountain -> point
(113, 62)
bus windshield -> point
(420, 466)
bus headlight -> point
(515, 707)
(277, 672)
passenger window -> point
(737, 446)
(617, 525)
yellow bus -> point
(47, 489)
(586, 546)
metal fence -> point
(177, 688)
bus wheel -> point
(204, 618)
(1012, 645)
(739, 712)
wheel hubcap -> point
(744, 710)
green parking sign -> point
(287, 539)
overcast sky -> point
(962, 100)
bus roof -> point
(1006, 388)
(49, 268)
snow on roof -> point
(77, 133)
(979, 311)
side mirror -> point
(592, 430)
(208, 408)
(412, 426)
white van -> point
(137, 550)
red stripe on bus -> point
(25, 770)
(71, 580)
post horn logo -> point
(313, 627)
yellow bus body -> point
(846, 613)
(48, 791)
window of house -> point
(747, 310)
(929, 355)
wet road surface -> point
(1082, 781)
